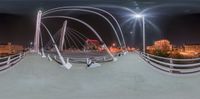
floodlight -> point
(138, 16)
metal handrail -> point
(4, 62)
(12, 59)
(9, 56)
(18, 57)
(83, 60)
(9, 65)
(170, 69)
(175, 71)
(174, 59)
(171, 64)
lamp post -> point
(139, 16)
(143, 33)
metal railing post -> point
(20, 55)
(49, 57)
(147, 59)
(87, 61)
(171, 67)
(8, 60)
(55, 57)
(43, 54)
(24, 53)
(67, 60)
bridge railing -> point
(98, 59)
(171, 65)
(81, 57)
(8, 61)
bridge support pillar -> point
(37, 32)
(62, 36)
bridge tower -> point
(37, 32)
(62, 36)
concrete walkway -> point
(128, 78)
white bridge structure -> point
(8, 61)
(67, 35)
(133, 76)
(63, 32)
(171, 65)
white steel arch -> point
(62, 35)
(37, 40)
(66, 65)
(94, 31)
(84, 10)
(90, 8)
(37, 32)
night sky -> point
(19, 28)
(16, 29)
(183, 29)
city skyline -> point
(179, 28)
(94, 49)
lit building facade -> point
(10, 49)
(185, 51)
(192, 48)
(91, 44)
(163, 45)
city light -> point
(113, 44)
(141, 16)
(137, 16)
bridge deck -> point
(128, 78)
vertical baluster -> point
(67, 60)
(49, 57)
(20, 55)
(171, 65)
(8, 60)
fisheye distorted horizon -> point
(180, 27)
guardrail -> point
(84, 58)
(92, 59)
(171, 65)
(8, 61)
(98, 59)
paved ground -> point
(128, 78)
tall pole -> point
(37, 32)
(143, 31)
(62, 36)
(67, 65)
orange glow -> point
(162, 45)
(186, 51)
(10, 49)
(114, 49)
(113, 44)
(131, 49)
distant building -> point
(162, 45)
(185, 51)
(10, 49)
(192, 48)
(91, 44)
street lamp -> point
(139, 16)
